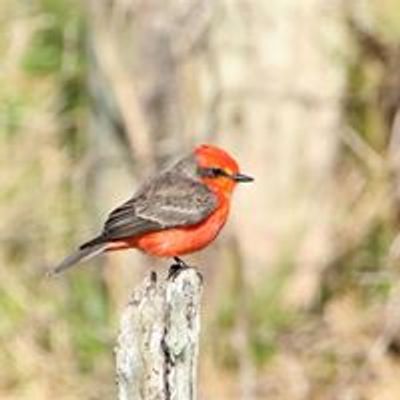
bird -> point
(176, 212)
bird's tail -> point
(84, 253)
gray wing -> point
(165, 202)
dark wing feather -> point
(165, 202)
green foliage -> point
(57, 50)
(51, 43)
(364, 269)
(10, 306)
(268, 316)
(11, 115)
(362, 108)
(45, 54)
(42, 114)
(259, 312)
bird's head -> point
(218, 169)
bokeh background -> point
(302, 297)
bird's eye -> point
(212, 172)
(217, 172)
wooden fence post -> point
(157, 349)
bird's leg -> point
(178, 265)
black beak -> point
(242, 178)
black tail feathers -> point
(93, 242)
(85, 252)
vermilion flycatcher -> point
(176, 212)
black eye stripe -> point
(218, 171)
(212, 172)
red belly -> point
(177, 241)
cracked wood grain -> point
(158, 343)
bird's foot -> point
(176, 267)
(179, 262)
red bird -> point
(176, 212)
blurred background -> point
(302, 293)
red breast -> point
(179, 241)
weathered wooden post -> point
(157, 349)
